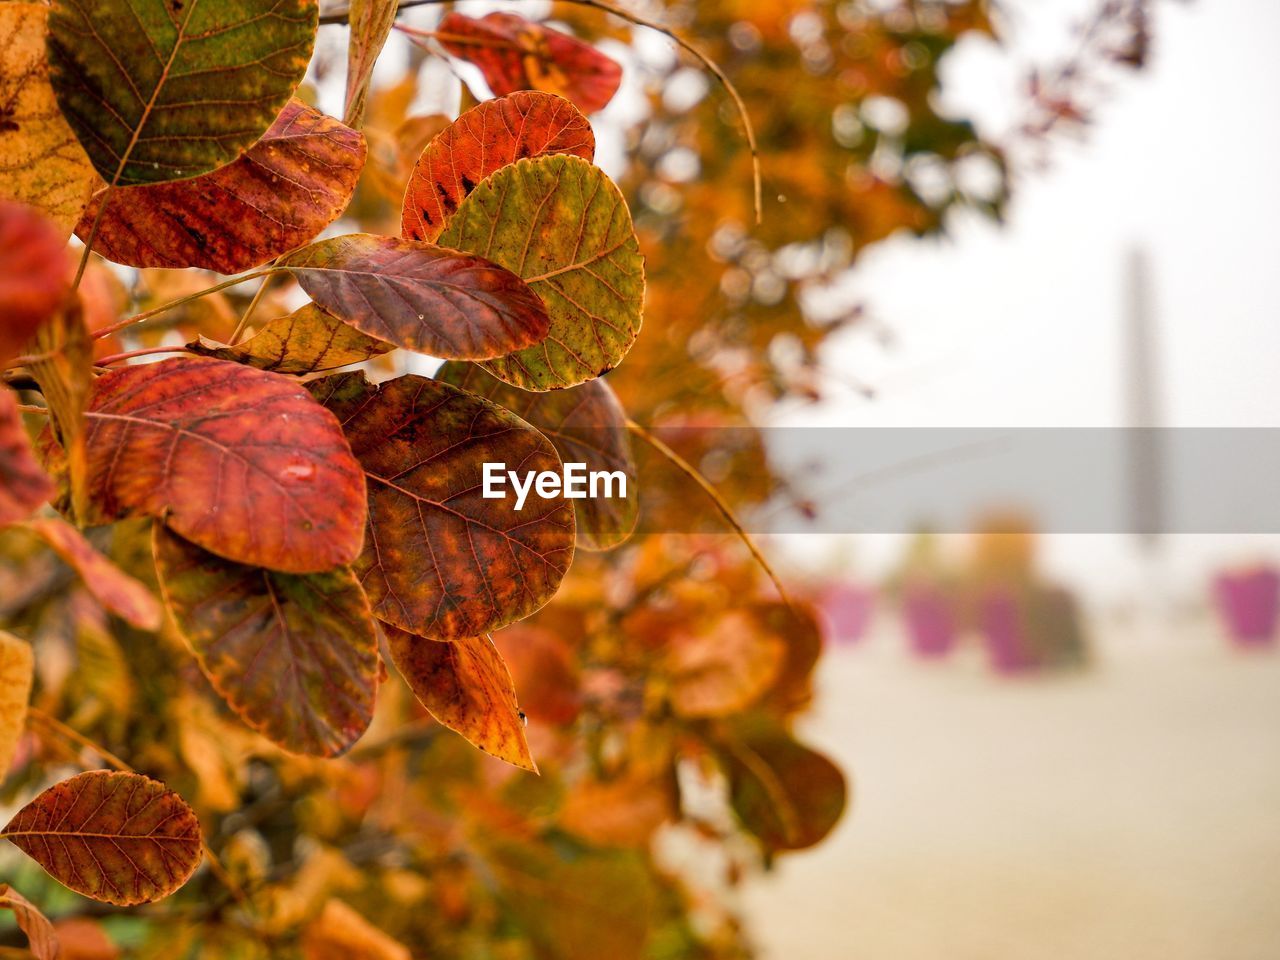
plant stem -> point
(253, 305)
(165, 307)
(147, 351)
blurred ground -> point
(1130, 813)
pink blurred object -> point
(848, 608)
(1249, 603)
(930, 617)
(1000, 617)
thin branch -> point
(28, 408)
(726, 511)
(165, 307)
(253, 305)
(147, 351)
(639, 21)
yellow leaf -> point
(16, 670)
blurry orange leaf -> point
(288, 187)
(295, 656)
(117, 837)
(371, 22)
(441, 560)
(466, 686)
(482, 140)
(240, 461)
(545, 673)
(624, 812)
(724, 669)
(517, 54)
(118, 592)
(562, 225)
(17, 667)
(422, 297)
(34, 274)
(40, 935)
(83, 939)
(308, 340)
(339, 933)
(23, 485)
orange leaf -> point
(466, 686)
(288, 187)
(40, 936)
(339, 933)
(17, 669)
(724, 669)
(118, 592)
(23, 485)
(117, 837)
(482, 140)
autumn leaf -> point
(16, 672)
(40, 934)
(295, 656)
(160, 91)
(482, 140)
(240, 461)
(118, 592)
(281, 193)
(34, 273)
(339, 933)
(440, 560)
(23, 485)
(421, 297)
(41, 161)
(120, 838)
(624, 812)
(466, 686)
(562, 225)
(371, 22)
(788, 796)
(723, 669)
(587, 425)
(516, 54)
(309, 340)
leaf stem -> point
(29, 408)
(147, 351)
(689, 470)
(165, 307)
(253, 305)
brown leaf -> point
(34, 275)
(339, 933)
(371, 22)
(309, 340)
(466, 686)
(17, 667)
(295, 656)
(23, 485)
(440, 560)
(40, 934)
(724, 669)
(281, 193)
(587, 425)
(240, 461)
(421, 297)
(482, 140)
(118, 592)
(516, 54)
(120, 838)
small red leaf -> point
(422, 297)
(34, 275)
(23, 485)
(482, 140)
(117, 837)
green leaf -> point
(161, 90)
(295, 656)
(563, 226)
(308, 340)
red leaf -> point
(34, 275)
(482, 140)
(516, 54)
(23, 485)
(466, 686)
(240, 461)
(117, 837)
(422, 297)
(288, 187)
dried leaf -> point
(587, 425)
(295, 656)
(466, 686)
(440, 560)
(40, 935)
(23, 485)
(564, 227)
(309, 340)
(371, 22)
(339, 933)
(16, 672)
(120, 838)
(481, 141)
(35, 274)
(516, 54)
(280, 194)
(240, 461)
(421, 297)
(41, 161)
(118, 592)
(160, 91)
